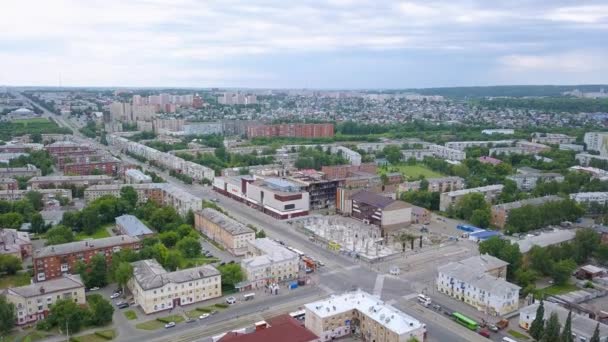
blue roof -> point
(133, 226)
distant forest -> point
(511, 91)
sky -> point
(334, 44)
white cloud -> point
(579, 14)
(566, 62)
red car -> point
(485, 333)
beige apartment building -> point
(269, 262)
(155, 289)
(32, 302)
(361, 313)
(231, 234)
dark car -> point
(123, 305)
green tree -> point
(97, 275)
(260, 234)
(537, 327)
(10, 264)
(540, 260)
(36, 138)
(504, 250)
(38, 225)
(190, 217)
(586, 242)
(160, 253)
(58, 235)
(129, 195)
(7, 316)
(90, 219)
(567, 332)
(11, 220)
(481, 217)
(596, 334)
(393, 154)
(189, 247)
(66, 314)
(562, 270)
(100, 310)
(601, 254)
(231, 274)
(169, 239)
(173, 260)
(35, 199)
(165, 218)
(123, 273)
(469, 203)
(551, 332)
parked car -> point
(203, 316)
(485, 333)
(94, 288)
(170, 325)
(231, 300)
(493, 327)
(309, 270)
(115, 295)
(394, 271)
(123, 305)
(190, 320)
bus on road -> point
(465, 321)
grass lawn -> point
(194, 313)
(28, 336)
(173, 318)
(555, 290)
(94, 337)
(518, 335)
(18, 279)
(32, 120)
(150, 325)
(412, 171)
(100, 233)
(130, 314)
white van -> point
(506, 339)
(424, 300)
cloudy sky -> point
(296, 44)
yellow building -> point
(231, 234)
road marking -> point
(379, 284)
(342, 269)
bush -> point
(204, 310)
(589, 285)
(221, 305)
(43, 325)
(165, 319)
(106, 334)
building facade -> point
(385, 212)
(291, 130)
(500, 212)
(16, 243)
(46, 182)
(447, 199)
(269, 262)
(231, 234)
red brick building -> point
(53, 261)
(88, 166)
(65, 146)
(291, 130)
(278, 329)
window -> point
(289, 206)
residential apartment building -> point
(597, 141)
(154, 289)
(203, 128)
(532, 147)
(33, 302)
(480, 282)
(441, 184)
(47, 194)
(505, 131)
(92, 165)
(161, 193)
(585, 158)
(26, 171)
(52, 262)
(231, 234)
(528, 181)
(66, 146)
(582, 326)
(593, 171)
(385, 212)
(291, 130)
(20, 148)
(490, 192)
(8, 184)
(552, 138)
(418, 154)
(587, 198)
(462, 145)
(135, 176)
(46, 182)
(354, 158)
(500, 212)
(448, 153)
(363, 314)
(269, 262)
(132, 226)
(16, 243)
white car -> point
(230, 300)
(170, 325)
(115, 295)
(94, 288)
(203, 316)
(394, 271)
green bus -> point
(466, 321)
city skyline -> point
(341, 44)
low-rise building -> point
(552, 138)
(421, 215)
(344, 171)
(132, 226)
(134, 176)
(505, 131)
(53, 261)
(278, 197)
(276, 330)
(463, 145)
(600, 198)
(363, 314)
(33, 302)
(47, 194)
(582, 327)
(322, 192)
(441, 184)
(528, 181)
(490, 192)
(154, 289)
(593, 171)
(385, 212)
(16, 243)
(500, 212)
(8, 184)
(489, 160)
(20, 148)
(448, 153)
(26, 171)
(532, 147)
(585, 158)
(269, 262)
(544, 239)
(231, 234)
(352, 156)
(418, 154)
(46, 182)
(480, 282)
(572, 147)
(597, 141)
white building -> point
(586, 158)
(418, 154)
(552, 138)
(203, 128)
(582, 327)
(528, 181)
(448, 153)
(269, 262)
(353, 157)
(597, 141)
(447, 199)
(462, 145)
(504, 131)
(134, 176)
(572, 147)
(155, 289)
(361, 313)
(475, 282)
(593, 171)
(600, 198)
(555, 237)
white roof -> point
(368, 305)
(273, 253)
(545, 239)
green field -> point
(18, 279)
(411, 171)
(98, 336)
(555, 290)
(30, 121)
(150, 325)
(8, 130)
(130, 315)
(518, 335)
(100, 233)
(29, 335)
